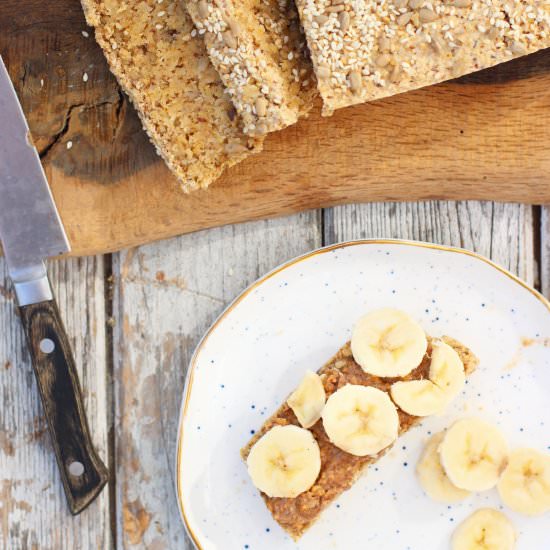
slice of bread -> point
(260, 52)
(365, 50)
(178, 94)
(339, 469)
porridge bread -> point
(259, 50)
(364, 50)
(339, 469)
(176, 91)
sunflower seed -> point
(404, 18)
(261, 106)
(384, 44)
(382, 60)
(343, 19)
(517, 48)
(203, 9)
(229, 39)
(426, 15)
(234, 147)
(355, 81)
(320, 20)
(461, 3)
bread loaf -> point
(368, 49)
(177, 92)
(259, 50)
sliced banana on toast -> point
(525, 484)
(486, 529)
(446, 380)
(285, 461)
(432, 476)
(361, 420)
(308, 400)
(473, 454)
(388, 343)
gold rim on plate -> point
(261, 280)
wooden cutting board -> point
(486, 136)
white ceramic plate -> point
(294, 319)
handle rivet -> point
(76, 468)
(46, 345)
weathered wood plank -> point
(166, 296)
(545, 250)
(33, 510)
(502, 232)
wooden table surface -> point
(134, 319)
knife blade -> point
(31, 231)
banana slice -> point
(418, 397)
(360, 420)
(388, 343)
(486, 529)
(284, 462)
(427, 397)
(447, 369)
(473, 454)
(308, 400)
(432, 476)
(525, 484)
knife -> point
(31, 231)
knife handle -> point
(82, 472)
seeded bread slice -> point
(368, 49)
(339, 469)
(178, 94)
(260, 52)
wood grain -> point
(33, 507)
(503, 232)
(166, 296)
(483, 137)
